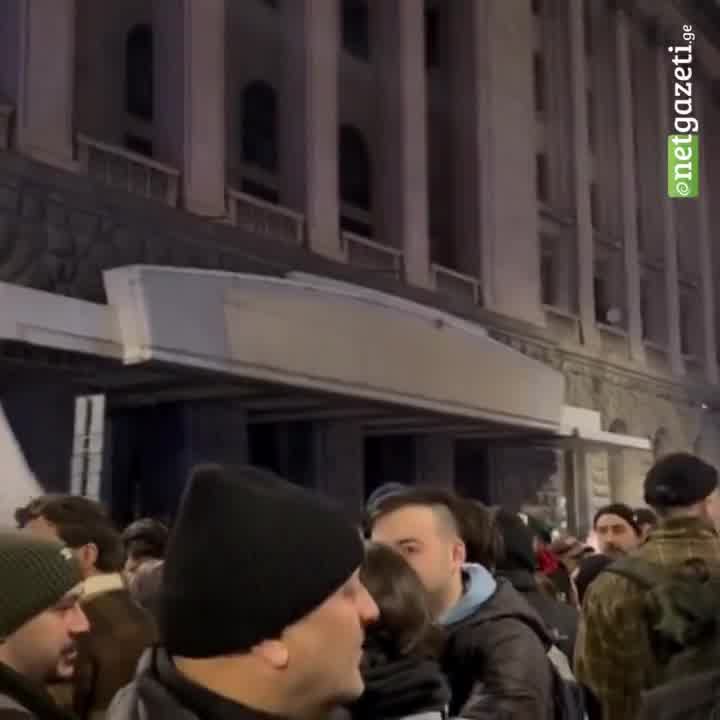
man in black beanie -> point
(262, 611)
(617, 530)
(616, 657)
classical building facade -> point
(498, 162)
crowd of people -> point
(266, 601)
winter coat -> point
(21, 699)
(496, 658)
(559, 618)
(400, 687)
(614, 656)
(159, 692)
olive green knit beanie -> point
(34, 575)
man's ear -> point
(274, 652)
(459, 552)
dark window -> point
(139, 145)
(541, 177)
(587, 21)
(547, 277)
(354, 169)
(432, 32)
(645, 308)
(600, 293)
(594, 209)
(539, 79)
(355, 28)
(591, 119)
(537, 7)
(259, 126)
(139, 72)
(685, 323)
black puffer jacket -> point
(497, 661)
(399, 687)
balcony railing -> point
(129, 171)
(456, 283)
(265, 219)
(6, 113)
(367, 254)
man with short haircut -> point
(262, 610)
(120, 629)
(616, 656)
(496, 658)
(617, 530)
(40, 624)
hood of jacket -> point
(504, 604)
(480, 586)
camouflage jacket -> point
(614, 657)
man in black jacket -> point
(40, 622)
(262, 611)
(496, 656)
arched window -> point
(139, 72)
(355, 169)
(259, 126)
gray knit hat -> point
(34, 575)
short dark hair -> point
(645, 516)
(472, 521)
(406, 625)
(79, 521)
(146, 538)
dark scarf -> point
(396, 687)
(31, 696)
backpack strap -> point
(642, 572)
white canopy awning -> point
(585, 427)
(333, 338)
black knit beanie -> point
(35, 574)
(621, 510)
(679, 480)
(250, 555)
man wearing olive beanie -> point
(261, 612)
(40, 621)
(615, 656)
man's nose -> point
(368, 609)
(79, 622)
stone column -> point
(309, 120)
(190, 98)
(707, 276)
(402, 164)
(37, 73)
(435, 461)
(628, 182)
(672, 287)
(511, 252)
(581, 156)
(338, 463)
